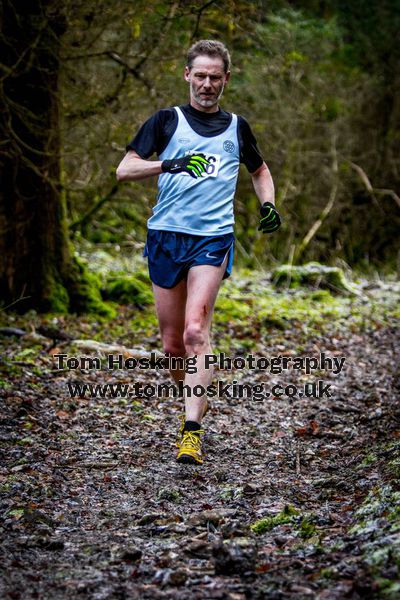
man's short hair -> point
(209, 48)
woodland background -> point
(318, 81)
(298, 498)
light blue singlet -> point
(202, 206)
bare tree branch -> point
(199, 15)
(372, 190)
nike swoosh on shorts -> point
(208, 255)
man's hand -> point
(270, 220)
(193, 164)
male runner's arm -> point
(132, 167)
(263, 184)
(264, 187)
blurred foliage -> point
(318, 82)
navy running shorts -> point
(171, 254)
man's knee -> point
(195, 338)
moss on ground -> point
(269, 523)
(249, 313)
(250, 302)
(128, 289)
(85, 292)
(313, 275)
(231, 309)
(304, 525)
(377, 527)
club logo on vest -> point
(229, 146)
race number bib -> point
(213, 168)
(214, 160)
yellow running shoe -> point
(183, 421)
(190, 448)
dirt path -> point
(95, 507)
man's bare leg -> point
(203, 283)
(170, 307)
(185, 314)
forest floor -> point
(297, 497)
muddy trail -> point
(297, 497)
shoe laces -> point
(191, 440)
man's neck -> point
(208, 110)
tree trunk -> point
(36, 265)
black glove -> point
(270, 220)
(194, 164)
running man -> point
(190, 234)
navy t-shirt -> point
(156, 132)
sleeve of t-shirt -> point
(250, 155)
(154, 134)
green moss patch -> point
(282, 518)
(128, 289)
(377, 526)
(313, 275)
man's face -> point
(207, 79)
